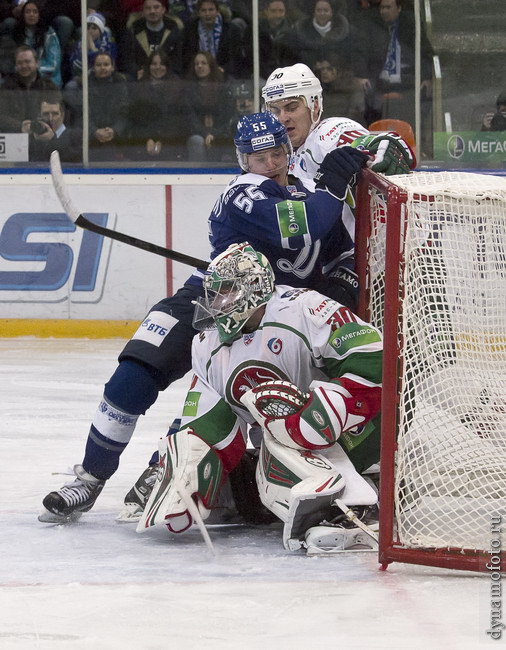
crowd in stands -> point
(167, 81)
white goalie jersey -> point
(303, 336)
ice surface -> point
(98, 585)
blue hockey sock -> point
(129, 393)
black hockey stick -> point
(81, 221)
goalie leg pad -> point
(299, 487)
(188, 464)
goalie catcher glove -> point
(392, 154)
(338, 168)
(296, 419)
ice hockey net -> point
(431, 257)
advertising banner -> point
(471, 147)
(51, 269)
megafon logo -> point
(456, 146)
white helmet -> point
(294, 81)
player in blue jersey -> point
(303, 229)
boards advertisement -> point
(52, 269)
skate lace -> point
(76, 493)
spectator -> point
(244, 100)
(156, 31)
(496, 121)
(210, 32)
(6, 19)
(208, 106)
(342, 92)
(155, 115)
(183, 9)
(5, 14)
(275, 34)
(243, 104)
(390, 76)
(64, 16)
(50, 134)
(115, 13)
(324, 34)
(31, 29)
(20, 95)
(108, 99)
(7, 45)
(98, 40)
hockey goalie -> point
(304, 368)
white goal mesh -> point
(450, 469)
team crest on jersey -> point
(246, 376)
(275, 345)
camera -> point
(38, 127)
(498, 122)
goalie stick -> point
(81, 221)
(355, 520)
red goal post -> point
(431, 260)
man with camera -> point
(49, 133)
(21, 93)
(496, 121)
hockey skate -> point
(136, 499)
(67, 504)
(344, 535)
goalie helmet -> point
(295, 81)
(238, 282)
(258, 132)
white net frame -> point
(450, 461)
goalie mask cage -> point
(431, 259)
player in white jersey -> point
(294, 94)
(306, 369)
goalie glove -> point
(337, 170)
(392, 154)
(297, 419)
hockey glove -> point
(392, 154)
(341, 285)
(338, 169)
(296, 419)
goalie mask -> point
(238, 282)
(295, 81)
(259, 132)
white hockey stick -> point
(81, 221)
(355, 520)
(195, 515)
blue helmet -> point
(258, 132)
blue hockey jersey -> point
(303, 233)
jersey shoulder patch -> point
(319, 308)
(338, 131)
(289, 294)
